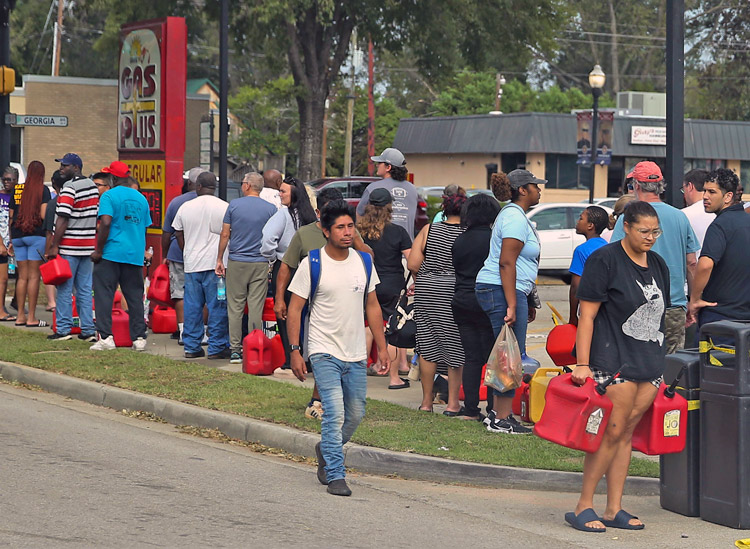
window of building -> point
(745, 175)
(704, 164)
(562, 172)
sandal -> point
(404, 385)
(622, 520)
(579, 521)
(9, 318)
(40, 324)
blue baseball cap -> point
(71, 159)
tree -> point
(474, 93)
(443, 34)
(268, 118)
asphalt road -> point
(74, 475)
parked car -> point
(607, 202)
(432, 196)
(353, 188)
(556, 225)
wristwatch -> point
(293, 348)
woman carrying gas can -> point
(623, 294)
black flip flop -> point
(9, 318)
(622, 521)
(40, 324)
(405, 384)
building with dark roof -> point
(463, 149)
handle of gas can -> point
(669, 391)
(601, 388)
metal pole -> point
(211, 129)
(223, 95)
(4, 99)
(596, 92)
(58, 38)
(370, 109)
(675, 169)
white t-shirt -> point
(272, 196)
(699, 220)
(337, 324)
(201, 221)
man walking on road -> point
(337, 348)
(391, 167)
(174, 258)
(721, 290)
(247, 269)
(74, 239)
(677, 245)
(197, 227)
(124, 217)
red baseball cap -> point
(646, 172)
(117, 168)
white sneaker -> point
(139, 344)
(107, 344)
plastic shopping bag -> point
(504, 367)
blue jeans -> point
(200, 290)
(491, 299)
(82, 279)
(343, 388)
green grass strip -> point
(386, 425)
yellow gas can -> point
(537, 390)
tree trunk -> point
(615, 59)
(311, 112)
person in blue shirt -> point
(592, 221)
(508, 277)
(677, 246)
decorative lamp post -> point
(597, 78)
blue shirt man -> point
(677, 245)
(246, 269)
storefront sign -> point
(648, 135)
(151, 176)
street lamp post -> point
(597, 78)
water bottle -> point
(11, 265)
(221, 289)
(530, 364)
(150, 254)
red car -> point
(353, 188)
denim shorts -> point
(29, 248)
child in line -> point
(592, 221)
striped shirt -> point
(79, 202)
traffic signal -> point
(7, 80)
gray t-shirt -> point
(404, 201)
(247, 217)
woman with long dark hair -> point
(469, 251)
(390, 243)
(296, 211)
(438, 341)
(27, 234)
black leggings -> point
(477, 339)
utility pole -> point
(223, 95)
(5, 8)
(370, 108)
(58, 39)
(350, 110)
(675, 169)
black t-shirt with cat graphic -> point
(629, 327)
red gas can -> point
(518, 398)
(163, 320)
(121, 328)
(277, 351)
(575, 416)
(663, 428)
(76, 329)
(158, 290)
(55, 271)
(268, 314)
(482, 389)
(257, 356)
(560, 343)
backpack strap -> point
(367, 263)
(315, 268)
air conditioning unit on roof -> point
(643, 103)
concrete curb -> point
(362, 458)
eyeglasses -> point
(645, 233)
(7, 180)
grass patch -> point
(386, 425)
